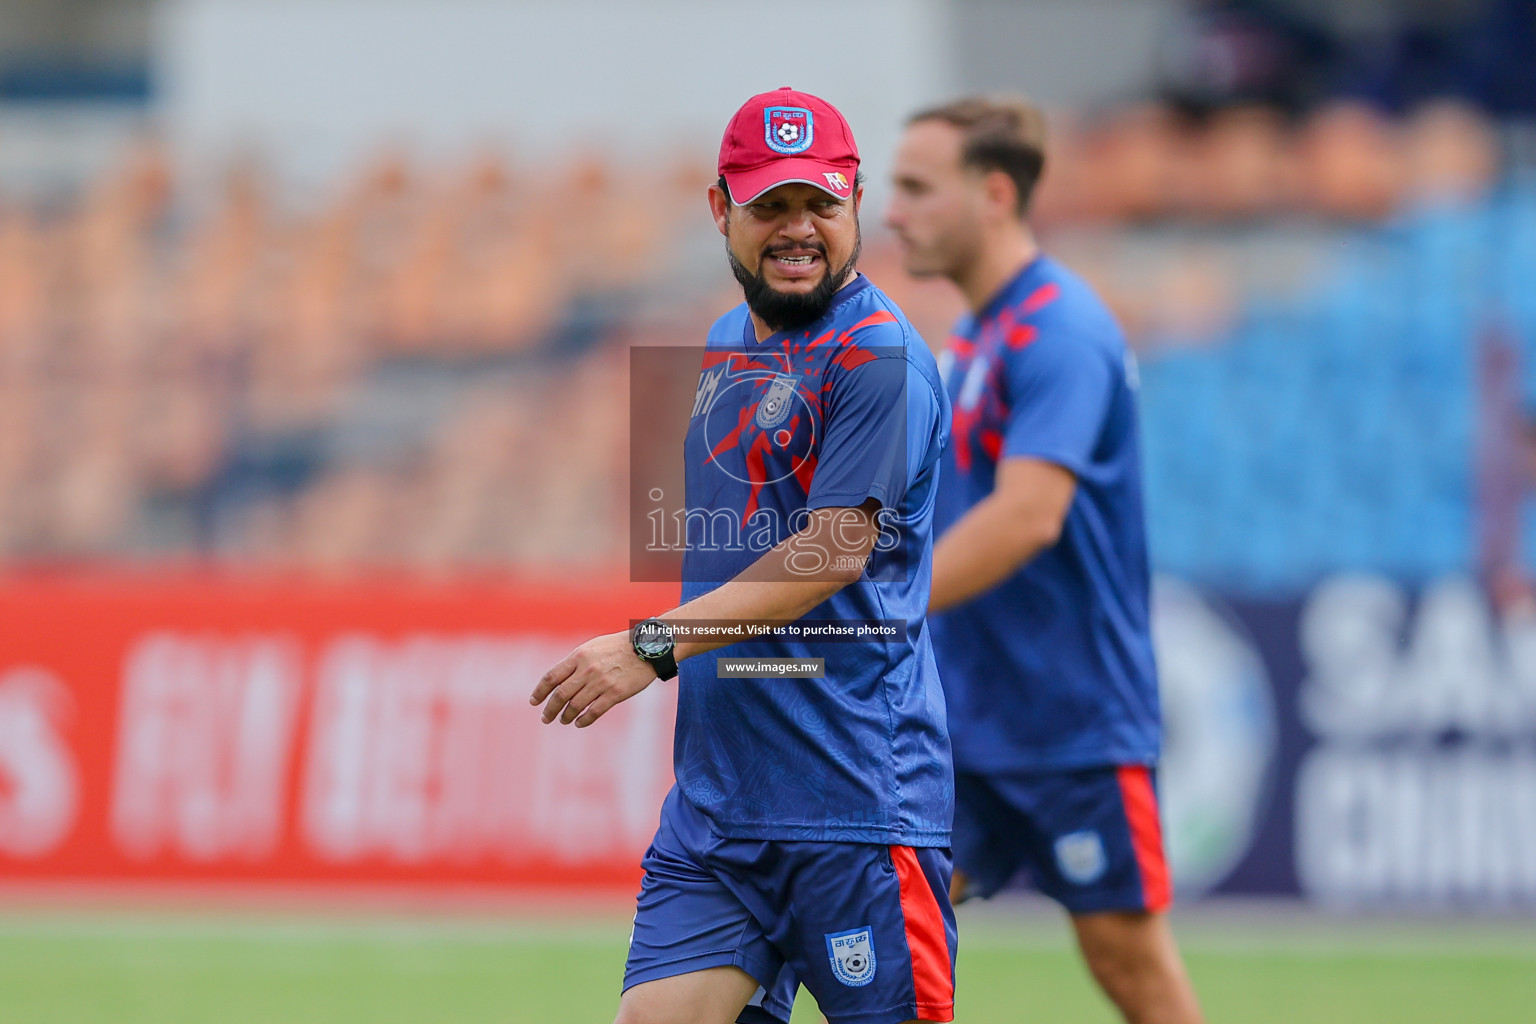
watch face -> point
(652, 639)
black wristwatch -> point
(653, 643)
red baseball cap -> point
(783, 136)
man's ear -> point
(1002, 194)
(720, 207)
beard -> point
(790, 311)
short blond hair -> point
(1002, 133)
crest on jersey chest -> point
(777, 402)
(756, 424)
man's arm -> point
(1020, 518)
(785, 583)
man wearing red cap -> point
(806, 839)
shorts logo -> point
(1080, 856)
(853, 956)
(836, 180)
(774, 407)
(788, 130)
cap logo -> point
(836, 180)
(788, 130)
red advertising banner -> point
(380, 732)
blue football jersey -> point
(1052, 668)
(828, 417)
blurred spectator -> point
(1481, 50)
(1225, 52)
(1293, 56)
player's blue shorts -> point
(868, 929)
(1090, 839)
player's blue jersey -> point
(850, 409)
(1052, 668)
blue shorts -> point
(1090, 838)
(868, 929)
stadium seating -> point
(425, 367)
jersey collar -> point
(1008, 292)
(844, 295)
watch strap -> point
(665, 665)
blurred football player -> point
(807, 836)
(1040, 581)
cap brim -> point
(746, 186)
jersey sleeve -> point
(879, 423)
(1059, 392)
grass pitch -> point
(184, 968)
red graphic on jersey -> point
(1040, 298)
(981, 408)
(786, 448)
